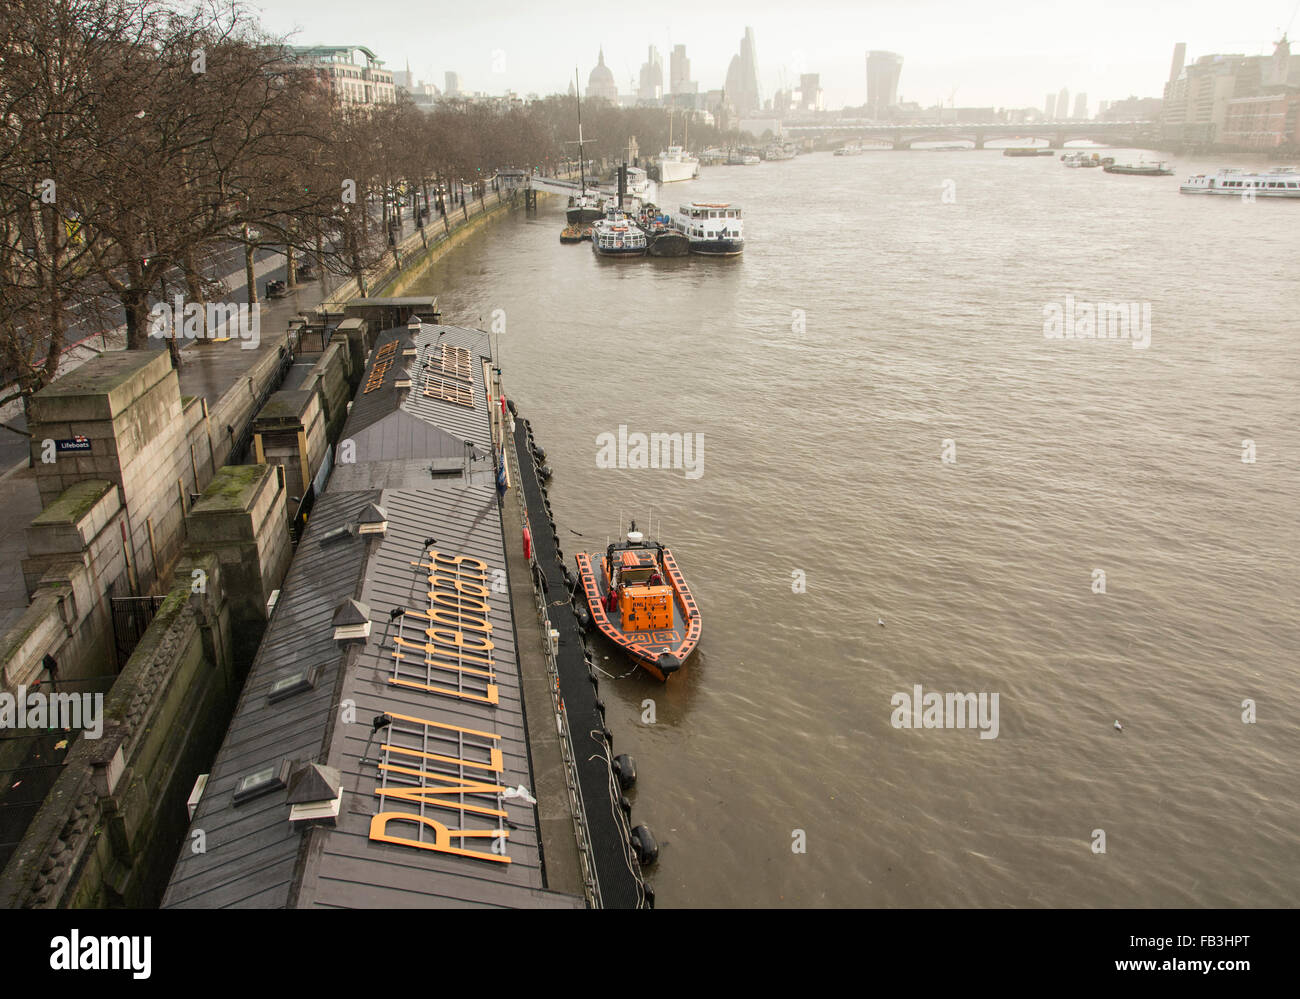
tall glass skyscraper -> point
(883, 71)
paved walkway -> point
(207, 369)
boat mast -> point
(582, 165)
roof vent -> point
(200, 785)
(315, 792)
(351, 621)
(413, 323)
(373, 520)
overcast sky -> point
(1001, 54)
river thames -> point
(906, 482)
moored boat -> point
(1079, 158)
(714, 229)
(618, 235)
(1140, 169)
(1027, 151)
(675, 164)
(575, 233)
(669, 243)
(639, 599)
(777, 151)
(1282, 182)
(584, 207)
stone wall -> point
(77, 551)
(229, 415)
(332, 381)
(126, 409)
(108, 832)
(241, 519)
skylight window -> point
(291, 682)
(260, 782)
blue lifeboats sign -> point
(77, 444)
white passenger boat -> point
(618, 235)
(676, 164)
(715, 229)
(1282, 182)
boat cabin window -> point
(637, 575)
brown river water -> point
(888, 313)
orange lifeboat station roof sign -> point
(383, 361)
(430, 765)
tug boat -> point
(664, 239)
(669, 243)
(639, 600)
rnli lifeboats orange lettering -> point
(383, 361)
(457, 639)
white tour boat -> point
(618, 235)
(1282, 182)
(715, 229)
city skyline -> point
(998, 61)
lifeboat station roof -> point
(378, 755)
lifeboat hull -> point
(660, 652)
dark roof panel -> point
(250, 848)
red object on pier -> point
(528, 544)
(503, 405)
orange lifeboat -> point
(639, 600)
